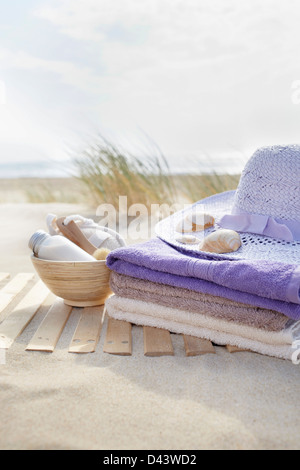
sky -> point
(200, 78)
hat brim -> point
(253, 246)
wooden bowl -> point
(80, 284)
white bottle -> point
(56, 248)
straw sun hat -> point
(264, 210)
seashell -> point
(221, 241)
(201, 220)
(188, 239)
(195, 222)
(184, 226)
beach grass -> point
(104, 171)
(189, 188)
(108, 172)
(194, 187)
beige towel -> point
(185, 299)
(277, 344)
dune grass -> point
(104, 171)
(198, 186)
(108, 172)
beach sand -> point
(94, 401)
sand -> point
(97, 401)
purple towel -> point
(263, 284)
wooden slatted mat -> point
(49, 331)
(157, 342)
(3, 276)
(197, 346)
(22, 296)
(12, 289)
(234, 349)
(118, 338)
(14, 324)
(88, 330)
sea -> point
(37, 169)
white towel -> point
(98, 235)
(277, 344)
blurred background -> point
(142, 97)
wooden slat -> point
(49, 331)
(197, 346)
(157, 342)
(118, 338)
(12, 289)
(3, 276)
(234, 349)
(22, 314)
(88, 331)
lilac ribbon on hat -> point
(242, 221)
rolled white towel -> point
(100, 236)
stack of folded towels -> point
(247, 297)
